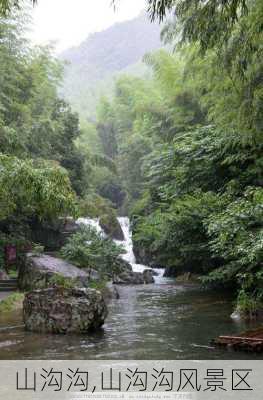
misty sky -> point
(68, 22)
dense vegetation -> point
(42, 172)
(91, 250)
(188, 146)
(180, 150)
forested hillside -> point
(180, 150)
(44, 176)
(42, 172)
(90, 68)
(188, 148)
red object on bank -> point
(10, 254)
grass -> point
(12, 302)
(13, 274)
(98, 285)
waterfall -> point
(126, 244)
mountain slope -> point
(92, 66)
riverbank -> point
(161, 321)
(251, 341)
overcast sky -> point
(68, 22)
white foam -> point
(127, 244)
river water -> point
(164, 321)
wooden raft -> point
(251, 341)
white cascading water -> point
(91, 222)
(127, 244)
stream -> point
(165, 321)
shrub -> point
(236, 234)
(93, 206)
(179, 233)
(59, 280)
(12, 302)
(89, 249)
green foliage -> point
(37, 249)
(183, 146)
(98, 285)
(199, 207)
(199, 214)
(248, 304)
(32, 188)
(61, 281)
(12, 302)
(39, 162)
(177, 234)
(236, 234)
(93, 206)
(34, 121)
(210, 23)
(109, 222)
(8, 5)
(88, 249)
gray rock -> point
(148, 276)
(39, 271)
(123, 265)
(70, 226)
(240, 315)
(111, 226)
(143, 256)
(133, 278)
(128, 278)
(60, 310)
(236, 315)
(110, 292)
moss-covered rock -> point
(134, 278)
(38, 272)
(111, 226)
(60, 310)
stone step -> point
(8, 285)
(8, 281)
(8, 289)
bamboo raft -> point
(251, 341)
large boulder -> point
(122, 265)
(60, 310)
(128, 278)
(110, 292)
(142, 255)
(133, 278)
(111, 226)
(40, 272)
(148, 276)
